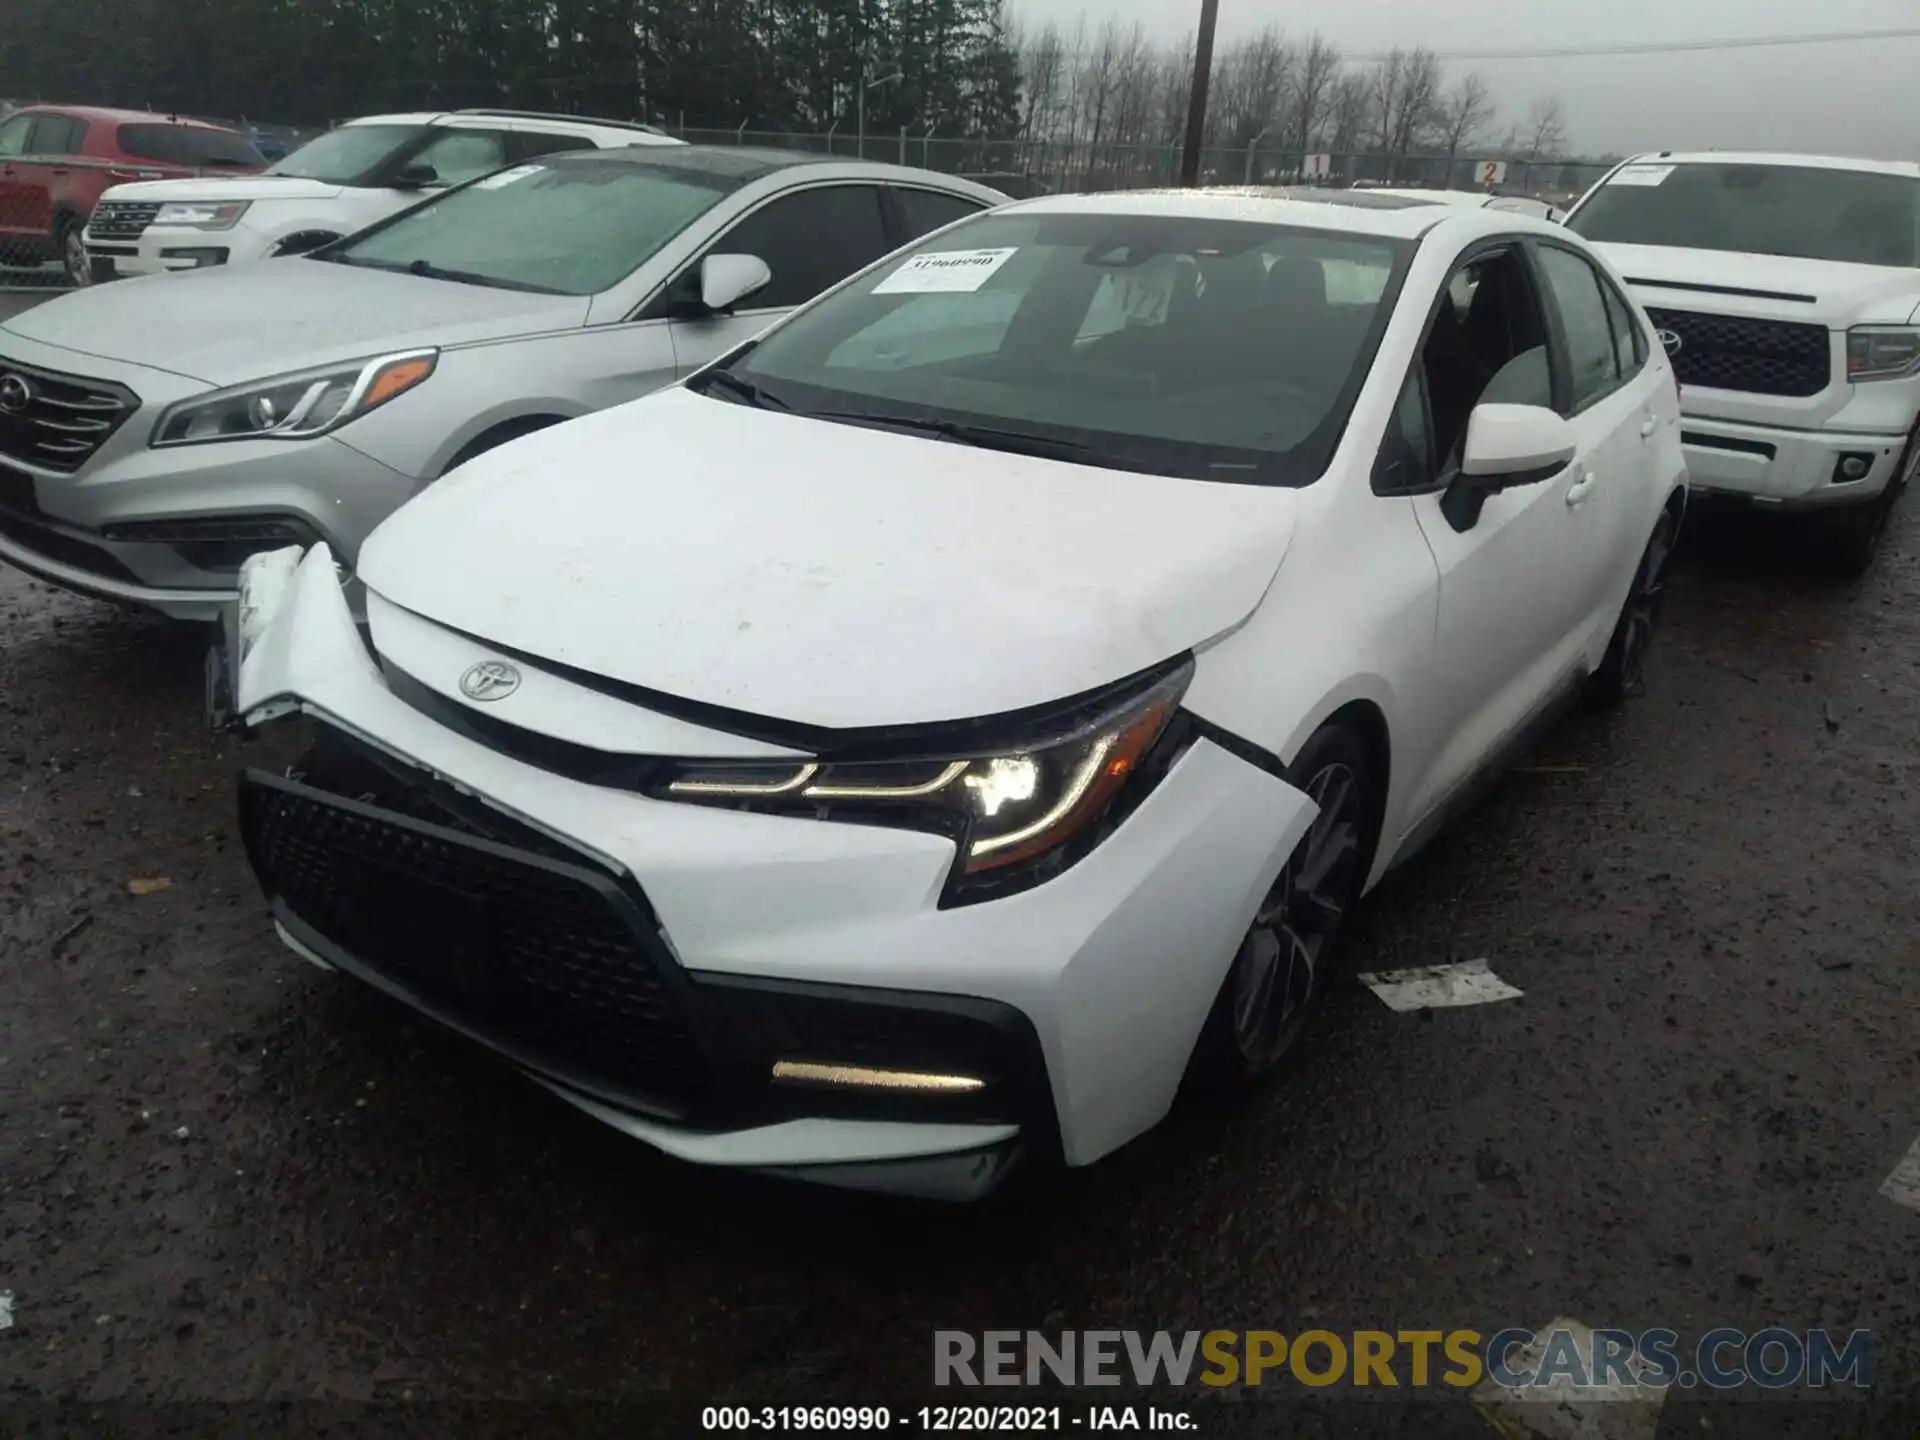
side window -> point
(1406, 464)
(461, 155)
(13, 135)
(1595, 364)
(1629, 341)
(810, 240)
(532, 144)
(55, 135)
(1487, 342)
(924, 211)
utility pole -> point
(1197, 104)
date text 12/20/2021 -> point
(939, 1419)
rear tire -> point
(70, 245)
(1620, 674)
(1273, 987)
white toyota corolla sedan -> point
(941, 728)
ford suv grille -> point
(121, 219)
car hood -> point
(1827, 291)
(825, 574)
(217, 189)
(224, 326)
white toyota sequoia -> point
(1786, 289)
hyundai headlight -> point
(1017, 812)
(195, 215)
(294, 407)
(1882, 352)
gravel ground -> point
(227, 1176)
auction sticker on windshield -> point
(944, 271)
(507, 177)
(1641, 175)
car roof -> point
(107, 115)
(1436, 197)
(1361, 212)
(747, 163)
(1757, 157)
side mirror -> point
(726, 280)
(416, 176)
(1508, 446)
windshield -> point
(342, 156)
(1810, 213)
(568, 228)
(190, 145)
(1214, 349)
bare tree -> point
(1545, 134)
(1465, 110)
(1406, 100)
(1349, 103)
(1314, 73)
(1255, 75)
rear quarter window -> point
(188, 145)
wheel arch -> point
(499, 432)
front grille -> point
(1759, 357)
(550, 960)
(22, 522)
(56, 420)
(121, 219)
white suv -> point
(332, 186)
(1787, 290)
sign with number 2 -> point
(1491, 172)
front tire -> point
(1850, 539)
(1278, 975)
(1621, 672)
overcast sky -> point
(1861, 99)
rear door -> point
(811, 239)
(18, 237)
(1611, 401)
(45, 166)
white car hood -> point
(247, 322)
(1840, 294)
(217, 189)
(820, 573)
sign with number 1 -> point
(1317, 167)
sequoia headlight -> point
(294, 407)
(1005, 806)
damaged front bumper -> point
(700, 949)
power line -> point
(1673, 47)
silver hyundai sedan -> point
(155, 433)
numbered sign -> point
(1317, 167)
(1490, 172)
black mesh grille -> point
(57, 421)
(552, 961)
(1760, 357)
(121, 219)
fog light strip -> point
(864, 1077)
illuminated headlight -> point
(294, 407)
(202, 216)
(1882, 352)
(1021, 805)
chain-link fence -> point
(1056, 167)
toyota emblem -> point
(15, 394)
(1670, 341)
(489, 680)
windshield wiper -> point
(427, 270)
(960, 432)
(743, 390)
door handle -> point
(1578, 491)
(1648, 426)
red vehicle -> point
(55, 160)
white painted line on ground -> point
(6, 1309)
(1903, 1185)
(1436, 987)
(1562, 1410)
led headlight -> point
(294, 407)
(194, 215)
(1006, 806)
(1882, 352)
